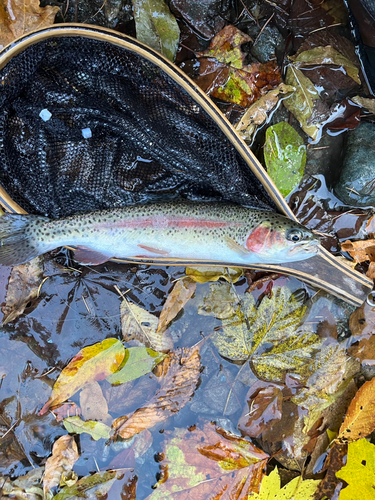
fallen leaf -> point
(97, 430)
(359, 471)
(69, 409)
(176, 300)
(18, 17)
(93, 404)
(25, 487)
(360, 250)
(327, 55)
(364, 102)
(95, 486)
(205, 274)
(330, 484)
(23, 287)
(296, 489)
(94, 362)
(303, 101)
(360, 418)
(221, 302)
(156, 26)
(139, 324)
(256, 114)
(137, 362)
(270, 338)
(208, 463)
(64, 456)
(285, 156)
(264, 408)
(181, 373)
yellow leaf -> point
(296, 489)
(180, 294)
(360, 418)
(94, 362)
(205, 274)
(359, 472)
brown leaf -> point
(359, 421)
(21, 16)
(64, 456)
(360, 250)
(181, 373)
(69, 409)
(209, 463)
(23, 286)
(334, 462)
(180, 294)
(93, 404)
(264, 408)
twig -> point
(325, 27)
(10, 428)
(263, 28)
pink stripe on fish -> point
(163, 223)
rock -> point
(325, 158)
(356, 186)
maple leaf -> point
(180, 294)
(64, 456)
(359, 471)
(94, 362)
(269, 338)
(208, 463)
(296, 489)
(18, 17)
(360, 418)
(181, 370)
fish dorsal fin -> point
(158, 251)
(233, 245)
(85, 255)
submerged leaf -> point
(204, 463)
(97, 430)
(181, 370)
(221, 302)
(137, 362)
(21, 16)
(93, 404)
(180, 294)
(269, 338)
(296, 489)
(156, 26)
(285, 156)
(95, 486)
(360, 418)
(359, 471)
(23, 286)
(25, 487)
(205, 274)
(94, 362)
(64, 456)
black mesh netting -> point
(149, 139)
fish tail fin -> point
(17, 243)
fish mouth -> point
(311, 247)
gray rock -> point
(269, 44)
(356, 186)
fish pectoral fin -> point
(158, 251)
(236, 246)
(85, 255)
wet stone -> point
(356, 186)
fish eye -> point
(295, 235)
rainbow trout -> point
(176, 230)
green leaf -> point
(221, 302)
(95, 486)
(296, 489)
(97, 430)
(327, 55)
(268, 335)
(285, 156)
(359, 471)
(301, 102)
(137, 362)
(204, 274)
(156, 26)
(94, 362)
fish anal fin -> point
(85, 255)
(158, 251)
(239, 249)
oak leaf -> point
(64, 456)
(296, 489)
(176, 300)
(181, 373)
(209, 463)
(359, 471)
(360, 250)
(92, 363)
(360, 418)
(18, 17)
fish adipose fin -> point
(17, 244)
(239, 249)
(85, 255)
(158, 251)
